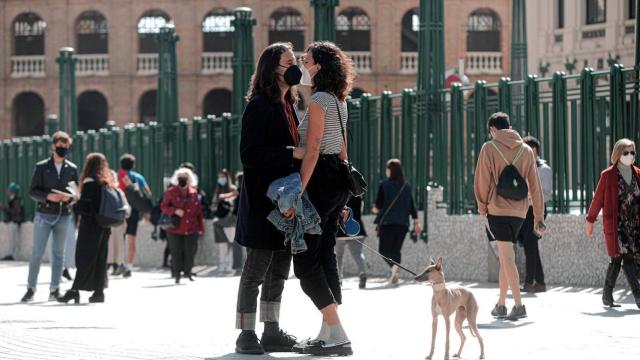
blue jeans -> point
(70, 247)
(43, 226)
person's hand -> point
(289, 214)
(588, 229)
(540, 229)
(344, 214)
(299, 152)
(417, 227)
(179, 212)
(54, 197)
(375, 210)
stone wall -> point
(568, 256)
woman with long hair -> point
(93, 240)
(323, 135)
(618, 196)
(269, 144)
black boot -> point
(248, 343)
(66, 275)
(631, 273)
(97, 297)
(610, 282)
(70, 295)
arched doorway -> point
(483, 31)
(287, 25)
(28, 114)
(92, 35)
(217, 31)
(147, 107)
(93, 111)
(28, 35)
(216, 102)
(410, 28)
(353, 30)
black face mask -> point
(292, 75)
(182, 182)
(126, 164)
(61, 151)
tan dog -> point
(444, 302)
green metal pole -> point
(242, 56)
(588, 126)
(619, 129)
(68, 103)
(519, 40)
(560, 119)
(455, 190)
(504, 96)
(637, 33)
(52, 124)
(531, 106)
(324, 12)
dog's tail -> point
(472, 314)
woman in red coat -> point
(618, 195)
(181, 199)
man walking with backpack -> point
(505, 178)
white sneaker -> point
(395, 275)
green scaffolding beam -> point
(242, 56)
(519, 40)
(324, 19)
(68, 118)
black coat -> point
(45, 178)
(265, 158)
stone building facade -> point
(117, 66)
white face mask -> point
(306, 76)
(627, 160)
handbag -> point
(168, 221)
(354, 179)
(389, 209)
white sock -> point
(324, 332)
(337, 334)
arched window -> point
(353, 30)
(217, 31)
(483, 31)
(28, 114)
(410, 28)
(217, 102)
(147, 107)
(149, 25)
(93, 111)
(28, 35)
(287, 25)
(92, 35)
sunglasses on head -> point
(629, 152)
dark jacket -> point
(45, 177)
(265, 157)
(606, 199)
(192, 222)
(14, 211)
(404, 206)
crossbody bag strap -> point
(392, 204)
(344, 137)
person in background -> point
(13, 217)
(394, 205)
(355, 248)
(528, 236)
(205, 203)
(70, 248)
(48, 188)
(181, 200)
(224, 196)
(116, 242)
(126, 177)
(238, 250)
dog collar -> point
(439, 287)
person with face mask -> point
(225, 219)
(618, 196)
(13, 217)
(181, 200)
(50, 188)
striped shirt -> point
(332, 138)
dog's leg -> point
(472, 314)
(447, 329)
(461, 315)
(434, 330)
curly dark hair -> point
(97, 168)
(265, 80)
(336, 74)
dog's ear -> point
(439, 264)
(432, 262)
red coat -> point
(606, 199)
(193, 220)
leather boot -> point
(610, 282)
(631, 273)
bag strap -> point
(344, 137)
(518, 155)
(392, 204)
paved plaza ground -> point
(148, 317)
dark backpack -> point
(511, 185)
(113, 209)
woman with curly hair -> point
(322, 134)
(93, 240)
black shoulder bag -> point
(354, 179)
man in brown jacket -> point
(505, 216)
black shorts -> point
(132, 222)
(504, 228)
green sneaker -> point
(517, 313)
(499, 311)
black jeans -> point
(182, 249)
(391, 240)
(534, 271)
(269, 269)
(317, 268)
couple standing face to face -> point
(292, 74)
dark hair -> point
(61, 136)
(499, 120)
(532, 142)
(97, 168)
(265, 79)
(227, 188)
(188, 165)
(127, 161)
(397, 171)
(336, 72)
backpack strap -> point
(518, 155)
(499, 152)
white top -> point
(58, 167)
(332, 138)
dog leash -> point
(385, 258)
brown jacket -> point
(490, 165)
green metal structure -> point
(324, 12)
(243, 65)
(68, 104)
(519, 40)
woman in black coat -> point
(268, 147)
(93, 240)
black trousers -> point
(391, 240)
(317, 268)
(534, 271)
(182, 252)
